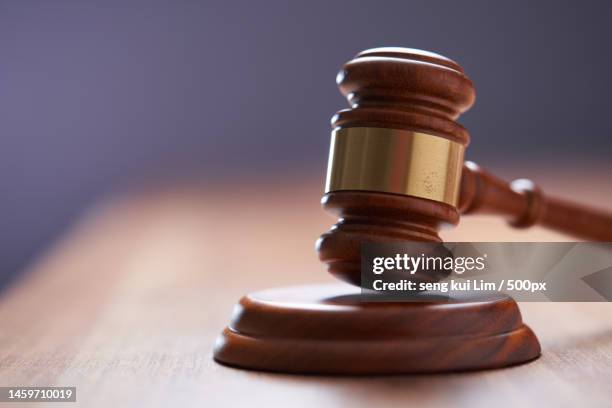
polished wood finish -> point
(524, 205)
(328, 329)
(425, 92)
(393, 88)
(405, 89)
(298, 331)
(378, 218)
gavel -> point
(396, 174)
(396, 168)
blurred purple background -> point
(97, 97)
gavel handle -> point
(524, 204)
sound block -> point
(326, 329)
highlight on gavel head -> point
(396, 154)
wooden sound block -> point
(325, 329)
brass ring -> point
(395, 161)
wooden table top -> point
(127, 305)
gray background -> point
(97, 97)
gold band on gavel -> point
(395, 161)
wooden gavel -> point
(396, 170)
(396, 173)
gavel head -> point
(396, 155)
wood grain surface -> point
(127, 305)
